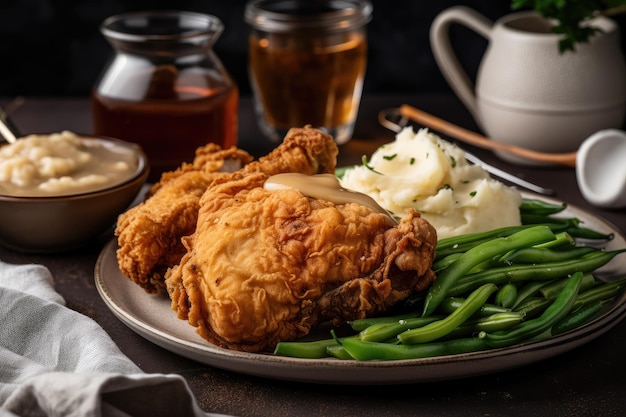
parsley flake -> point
(367, 165)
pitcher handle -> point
(444, 54)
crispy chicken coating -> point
(149, 235)
(264, 267)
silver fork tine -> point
(507, 176)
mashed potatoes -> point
(61, 164)
(422, 171)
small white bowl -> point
(61, 223)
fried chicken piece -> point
(209, 159)
(264, 267)
(149, 235)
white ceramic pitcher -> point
(526, 92)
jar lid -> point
(289, 15)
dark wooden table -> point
(587, 381)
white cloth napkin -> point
(57, 362)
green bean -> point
(450, 304)
(559, 308)
(466, 242)
(365, 351)
(570, 225)
(506, 295)
(383, 331)
(600, 292)
(552, 289)
(489, 263)
(362, 324)
(577, 318)
(478, 254)
(533, 306)
(463, 243)
(561, 240)
(338, 352)
(547, 271)
(534, 218)
(531, 205)
(442, 327)
(454, 241)
(444, 251)
(585, 233)
(446, 261)
(311, 350)
(541, 255)
(528, 290)
(495, 322)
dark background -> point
(54, 47)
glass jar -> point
(164, 88)
(307, 63)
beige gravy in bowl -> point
(63, 163)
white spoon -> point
(7, 129)
(601, 168)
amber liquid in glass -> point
(301, 81)
(170, 123)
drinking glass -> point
(307, 62)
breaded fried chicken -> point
(264, 267)
(149, 235)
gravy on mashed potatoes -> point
(424, 172)
(61, 164)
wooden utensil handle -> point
(475, 139)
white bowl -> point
(61, 223)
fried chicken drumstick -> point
(264, 267)
(149, 235)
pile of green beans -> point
(493, 289)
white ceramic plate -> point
(151, 317)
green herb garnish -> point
(367, 165)
(569, 14)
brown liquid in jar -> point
(303, 83)
(171, 121)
